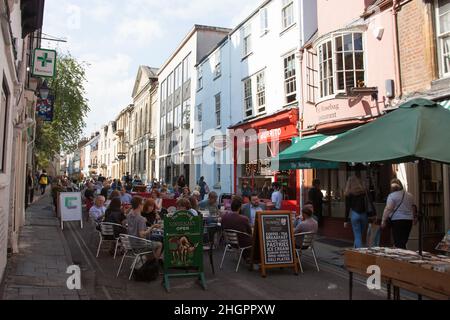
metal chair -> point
(307, 245)
(232, 244)
(135, 248)
(106, 234)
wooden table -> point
(399, 275)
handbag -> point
(389, 220)
(370, 207)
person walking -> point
(277, 196)
(43, 181)
(29, 195)
(204, 188)
(355, 208)
(402, 211)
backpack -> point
(43, 180)
(148, 272)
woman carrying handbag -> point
(400, 214)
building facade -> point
(123, 134)
(177, 96)
(248, 98)
(20, 24)
(107, 152)
(425, 73)
(143, 145)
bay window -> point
(341, 63)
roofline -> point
(194, 29)
(224, 40)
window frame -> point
(218, 109)
(440, 38)
(200, 78)
(287, 4)
(312, 75)
(248, 99)
(247, 45)
(261, 93)
(217, 64)
(264, 21)
(334, 77)
(290, 80)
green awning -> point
(291, 158)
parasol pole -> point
(420, 205)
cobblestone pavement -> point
(38, 272)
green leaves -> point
(70, 110)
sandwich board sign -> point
(273, 242)
(44, 63)
(70, 208)
(183, 247)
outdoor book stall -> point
(427, 275)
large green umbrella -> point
(418, 130)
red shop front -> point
(255, 143)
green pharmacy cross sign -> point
(44, 63)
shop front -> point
(256, 143)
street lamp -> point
(44, 90)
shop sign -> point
(44, 63)
(341, 109)
(271, 135)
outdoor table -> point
(399, 275)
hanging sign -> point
(44, 109)
(44, 63)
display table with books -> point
(427, 275)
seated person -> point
(137, 225)
(211, 204)
(185, 205)
(235, 221)
(114, 214)
(125, 197)
(250, 209)
(97, 212)
(307, 225)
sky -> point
(115, 37)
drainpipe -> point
(396, 5)
(302, 113)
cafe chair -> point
(135, 248)
(106, 234)
(232, 245)
(308, 239)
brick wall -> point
(416, 46)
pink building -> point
(350, 77)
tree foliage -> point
(70, 110)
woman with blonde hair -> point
(402, 212)
(355, 206)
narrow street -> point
(39, 271)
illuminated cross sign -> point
(44, 63)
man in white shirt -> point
(97, 212)
(277, 196)
(125, 197)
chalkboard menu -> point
(274, 243)
(277, 239)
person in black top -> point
(114, 214)
(105, 191)
(316, 197)
(355, 204)
(181, 183)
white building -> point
(177, 97)
(250, 81)
(107, 152)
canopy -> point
(418, 129)
(290, 159)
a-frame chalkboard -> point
(273, 242)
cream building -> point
(19, 24)
(143, 127)
(123, 133)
